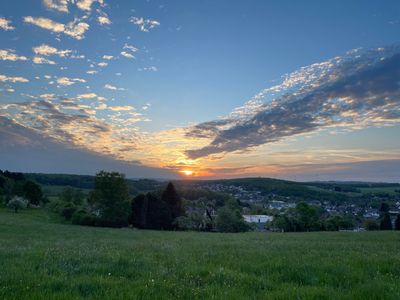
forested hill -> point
(87, 182)
(330, 191)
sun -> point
(187, 172)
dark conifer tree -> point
(386, 223)
(173, 200)
(397, 223)
(158, 213)
(139, 207)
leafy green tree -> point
(230, 220)
(74, 196)
(334, 223)
(386, 222)
(17, 203)
(32, 192)
(110, 199)
(307, 217)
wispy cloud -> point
(149, 69)
(356, 90)
(4, 78)
(58, 5)
(129, 51)
(86, 5)
(47, 50)
(75, 29)
(69, 81)
(144, 24)
(112, 87)
(9, 54)
(6, 24)
(41, 60)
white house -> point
(257, 218)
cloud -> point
(87, 96)
(75, 29)
(45, 24)
(4, 78)
(69, 81)
(85, 5)
(129, 51)
(102, 64)
(19, 144)
(144, 24)
(356, 90)
(108, 57)
(9, 54)
(121, 108)
(113, 88)
(103, 20)
(47, 50)
(127, 54)
(41, 60)
(92, 72)
(149, 69)
(6, 24)
(58, 5)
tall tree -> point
(173, 200)
(158, 214)
(384, 208)
(110, 198)
(139, 207)
(397, 223)
(33, 192)
(386, 222)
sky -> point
(300, 90)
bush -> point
(81, 217)
(371, 225)
(68, 210)
(230, 220)
(17, 203)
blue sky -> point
(186, 63)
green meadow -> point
(41, 258)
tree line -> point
(110, 204)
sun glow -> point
(187, 172)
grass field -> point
(42, 259)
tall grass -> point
(42, 259)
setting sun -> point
(187, 172)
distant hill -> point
(326, 191)
(87, 182)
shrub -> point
(68, 210)
(81, 217)
(371, 225)
(230, 220)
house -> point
(257, 218)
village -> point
(272, 204)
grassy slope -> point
(41, 259)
